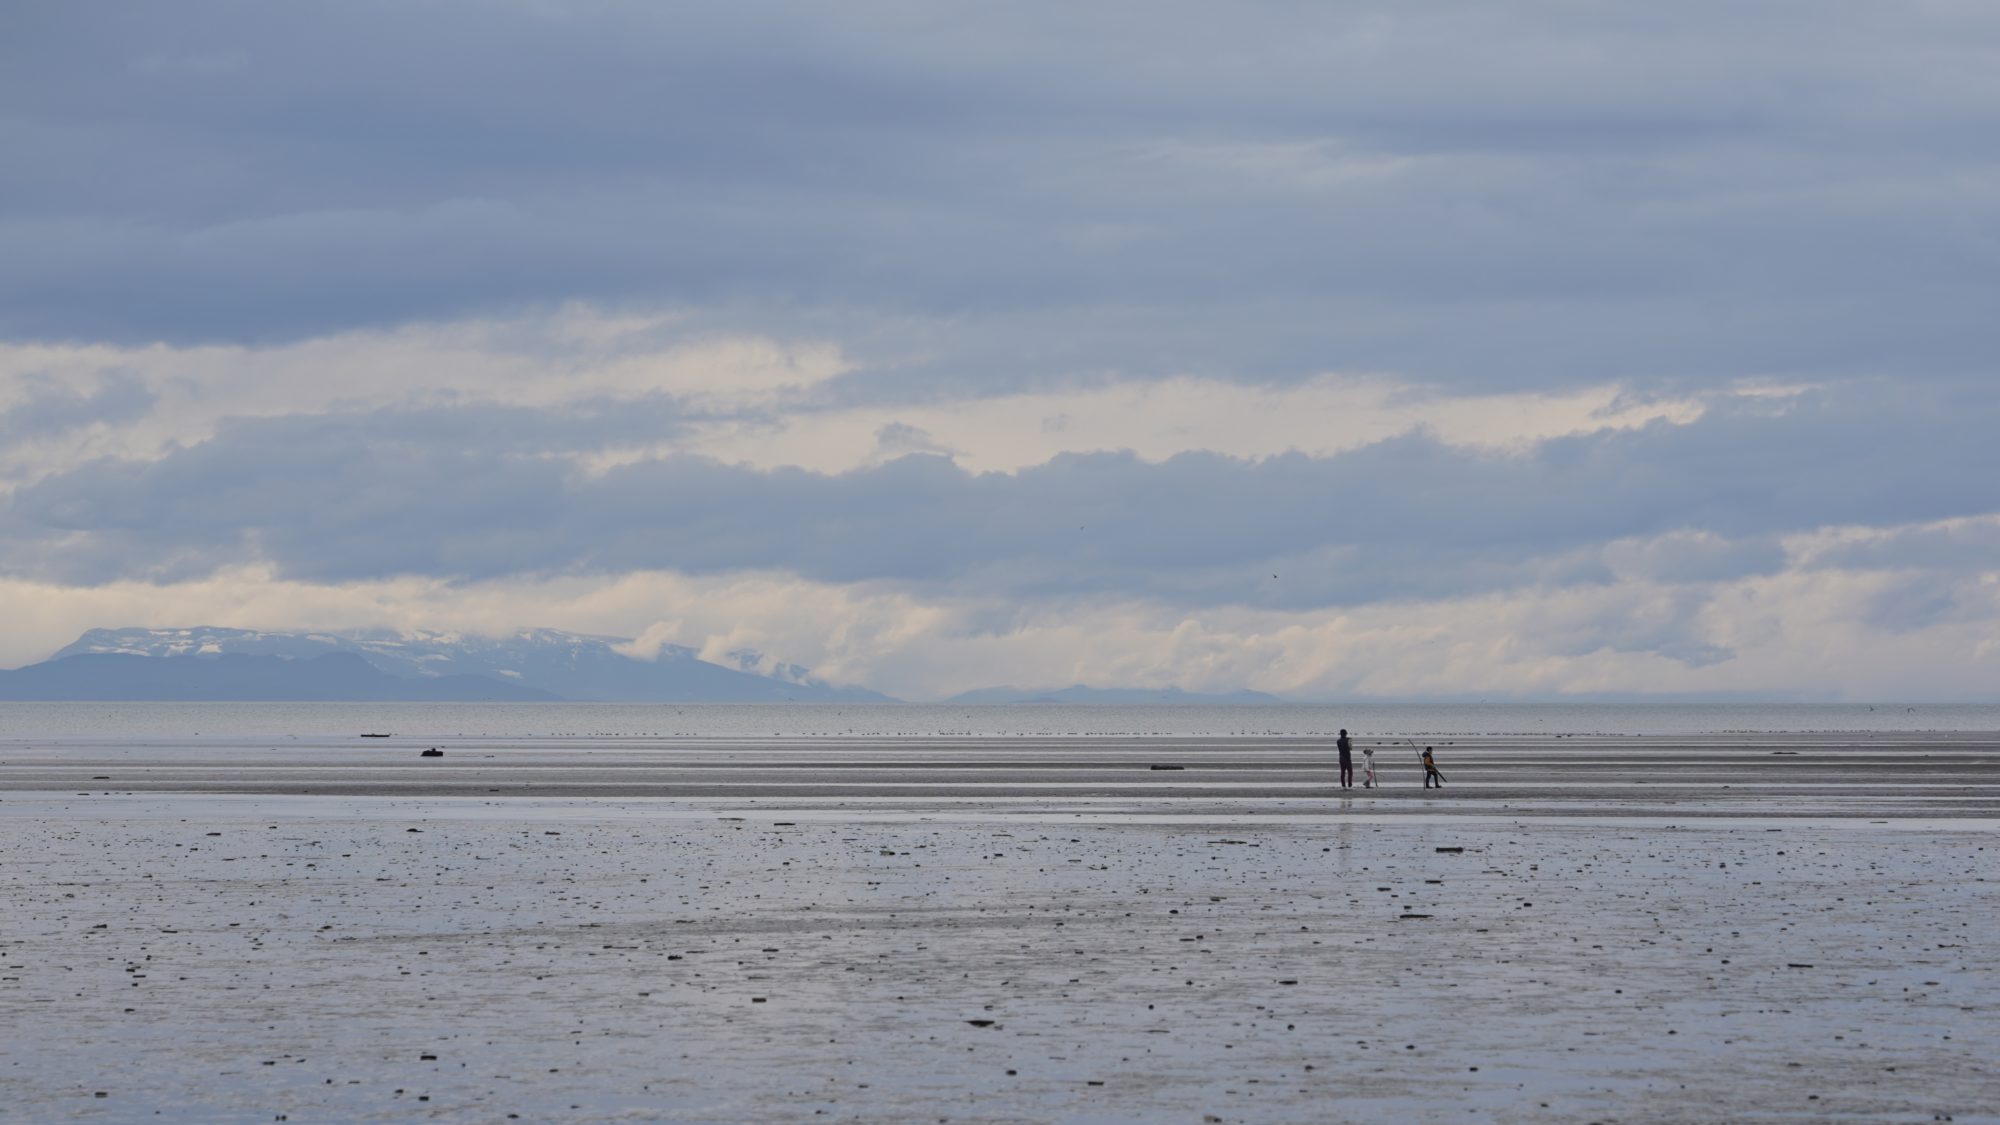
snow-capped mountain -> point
(329, 677)
(569, 665)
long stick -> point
(1420, 758)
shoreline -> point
(177, 949)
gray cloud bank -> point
(1779, 213)
(375, 494)
(51, 410)
(1461, 193)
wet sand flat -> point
(1722, 928)
(1934, 775)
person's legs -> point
(1346, 775)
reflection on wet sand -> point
(1708, 930)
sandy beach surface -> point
(1753, 927)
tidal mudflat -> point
(1726, 928)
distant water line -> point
(253, 721)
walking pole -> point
(1427, 767)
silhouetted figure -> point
(1346, 760)
(1431, 770)
(1368, 768)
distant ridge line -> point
(217, 663)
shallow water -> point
(865, 721)
(1933, 775)
(190, 939)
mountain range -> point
(333, 676)
(533, 664)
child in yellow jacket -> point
(1431, 770)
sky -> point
(1334, 350)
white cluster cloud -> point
(1326, 349)
(574, 354)
(760, 402)
(1801, 633)
(1158, 419)
(1458, 567)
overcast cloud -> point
(1321, 348)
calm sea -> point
(172, 721)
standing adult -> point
(1346, 760)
